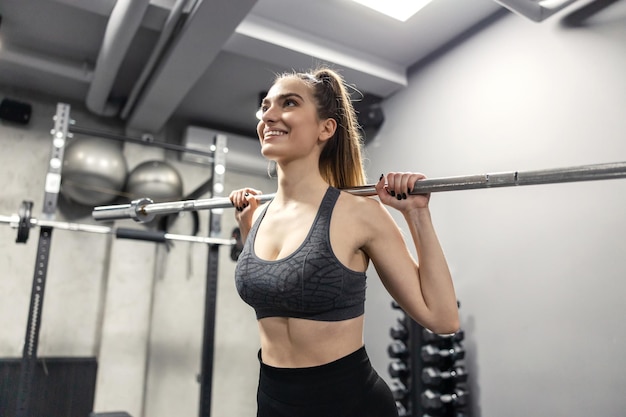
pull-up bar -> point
(144, 210)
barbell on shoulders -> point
(144, 210)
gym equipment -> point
(398, 389)
(398, 369)
(433, 400)
(434, 355)
(397, 349)
(439, 339)
(399, 331)
(94, 171)
(23, 222)
(35, 307)
(402, 411)
(144, 210)
(157, 180)
(433, 376)
(459, 412)
(237, 248)
(429, 368)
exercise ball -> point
(156, 180)
(94, 171)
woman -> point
(306, 252)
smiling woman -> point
(306, 251)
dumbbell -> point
(397, 349)
(398, 369)
(430, 337)
(449, 413)
(442, 357)
(434, 376)
(399, 331)
(398, 389)
(402, 411)
(434, 400)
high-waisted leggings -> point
(347, 387)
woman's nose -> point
(270, 114)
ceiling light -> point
(401, 10)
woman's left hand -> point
(394, 190)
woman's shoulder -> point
(363, 209)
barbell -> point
(144, 209)
(23, 222)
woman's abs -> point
(300, 343)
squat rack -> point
(62, 131)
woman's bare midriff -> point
(299, 343)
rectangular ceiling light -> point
(401, 10)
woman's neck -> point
(299, 183)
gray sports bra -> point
(310, 283)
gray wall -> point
(539, 270)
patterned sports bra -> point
(310, 283)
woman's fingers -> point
(242, 198)
(395, 187)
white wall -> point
(539, 270)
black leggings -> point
(347, 387)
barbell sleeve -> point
(144, 210)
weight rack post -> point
(215, 228)
(33, 326)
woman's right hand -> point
(245, 204)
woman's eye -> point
(290, 103)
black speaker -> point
(15, 111)
(371, 117)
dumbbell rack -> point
(429, 378)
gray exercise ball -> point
(156, 180)
(94, 171)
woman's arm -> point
(424, 291)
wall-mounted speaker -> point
(15, 111)
(370, 117)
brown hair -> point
(340, 161)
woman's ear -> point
(328, 129)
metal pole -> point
(140, 141)
(35, 309)
(210, 294)
(144, 210)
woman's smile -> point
(269, 134)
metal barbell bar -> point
(24, 222)
(144, 210)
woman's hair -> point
(340, 161)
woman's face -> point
(289, 126)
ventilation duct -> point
(535, 10)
